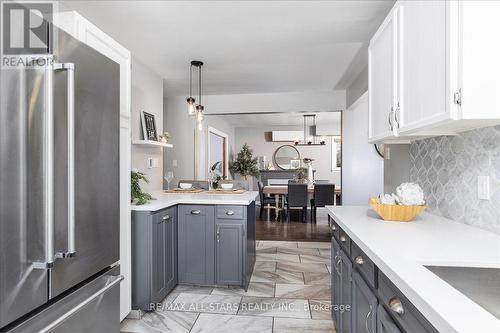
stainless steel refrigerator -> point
(59, 192)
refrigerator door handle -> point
(69, 68)
(113, 280)
(48, 158)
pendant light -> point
(309, 135)
(193, 107)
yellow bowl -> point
(397, 213)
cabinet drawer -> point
(335, 228)
(231, 212)
(164, 215)
(400, 308)
(345, 241)
(363, 264)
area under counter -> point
(402, 250)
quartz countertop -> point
(165, 200)
(401, 250)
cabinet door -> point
(422, 64)
(345, 292)
(196, 239)
(385, 324)
(159, 251)
(336, 283)
(364, 306)
(381, 79)
(229, 253)
(171, 250)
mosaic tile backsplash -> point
(447, 168)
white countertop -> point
(401, 250)
(164, 200)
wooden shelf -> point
(151, 143)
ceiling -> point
(247, 46)
(323, 120)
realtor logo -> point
(26, 27)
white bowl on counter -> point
(185, 186)
(226, 186)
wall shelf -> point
(151, 143)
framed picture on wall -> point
(336, 153)
(148, 126)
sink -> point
(482, 285)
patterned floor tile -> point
(299, 250)
(320, 309)
(268, 266)
(281, 257)
(277, 277)
(317, 278)
(206, 303)
(325, 252)
(315, 245)
(216, 323)
(274, 307)
(303, 291)
(192, 289)
(257, 289)
(282, 325)
(301, 267)
(165, 322)
(307, 258)
(276, 244)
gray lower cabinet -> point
(345, 269)
(229, 252)
(385, 323)
(336, 283)
(364, 306)
(196, 239)
(154, 256)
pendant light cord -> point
(191, 81)
(199, 68)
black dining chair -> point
(202, 184)
(296, 197)
(264, 199)
(324, 195)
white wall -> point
(147, 95)
(363, 168)
(182, 127)
(255, 138)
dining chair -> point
(203, 184)
(324, 195)
(297, 197)
(239, 184)
(265, 200)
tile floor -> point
(289, 292)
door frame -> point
(212, 130)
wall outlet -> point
(153, 162)
(483, 187)
(150, 162)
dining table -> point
(280, 192)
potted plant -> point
(245, 164)
(137, 195)
(213, 176)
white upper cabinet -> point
(445, 69)
(381, 84)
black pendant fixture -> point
(195, 109)
(309, 135)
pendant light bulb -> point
(200, 126)
(199, 116)
(191, 106)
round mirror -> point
(287, 158)
(380, 148)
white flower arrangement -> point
(407, 194)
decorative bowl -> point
(226, 186)
(397, 213)
(185, 186)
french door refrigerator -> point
(59, 192)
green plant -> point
(213, 176)
(137, 194)
(245, 164)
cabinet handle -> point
(343, 239)
(230, 213)
(195, 212)
(396, 116)
(396, 306)
(218, 234)
(390, 118)
(166, 218)
(359, 260)
(366, 319)
(334, 227)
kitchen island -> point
(385, 270)
(191, 238)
